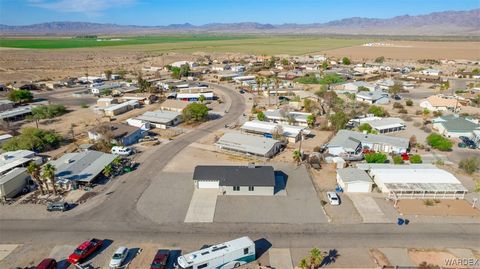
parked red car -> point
(160, 260)
(47, 264)
(85, 250)
(405, 156)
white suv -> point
(333, 198)
(121, 151)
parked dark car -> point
(60, 206)
(47, 264)
(160, 259)
(241, 91)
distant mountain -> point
(448, 23)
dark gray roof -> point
(236, 175)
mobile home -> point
(226, 255)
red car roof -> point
(84, 245)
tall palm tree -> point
(267, 82)
(259, 81)
(48, 173)
(34, 170)
(315, 258)
(108, 170)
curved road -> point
(116, 216)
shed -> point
(354, 180)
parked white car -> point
(121, 151)
(118, 257)
(333, 198)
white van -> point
(121, 151)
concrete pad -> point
(202, 206)
(5, 250)
(397, 256)
(280, 258)
(368, 208)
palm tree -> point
(48, 173)
(116, 161)
(297, 156)
(107, 171)
(303, 264)
(34, 170)
(201, 98)
(268, 81)
(315, 258)
(259, 81)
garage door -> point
(358, 187)
(208, 184)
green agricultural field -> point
(72, 42)
(269, 45)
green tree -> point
(34, 170)
(346, 61)
(311, 120)
(375, 157)
(285, 62)
(108, 74)
(261, 116)
(176, 72)
(143, 84)
(396, 88)
(397, 159)
(325, 65)
(380, 60)
(34, 139)
(439, 142)
(365, 127)
(308, 105)
(338, 120)
(202, 98)
(297, 156)
(48, 111)
(195, 112)
(470, 165)
(108, 170)
(377, 111)
(331, 79)
(20, 96)
(48, 173)
(415, 159)
(185, 70)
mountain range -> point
(447, 23)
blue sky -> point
(163, 12)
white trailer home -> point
(231, 254)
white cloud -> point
(79, 6)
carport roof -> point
(263, 176)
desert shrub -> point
(439, 142)
(397, 159)
(416, 159)
(397, 105)
(375, 157)
(403, 111)
(409, 102)
(470, 165)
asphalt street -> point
(116, 217)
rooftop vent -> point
(251, 165)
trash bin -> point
(407, 221)
(400, 221)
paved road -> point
(117, 218)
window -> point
(236, 188)
(250, 188)
(245, 251)
(202, 266)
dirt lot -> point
(431, 257)
(442, 208)
(412, 50)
